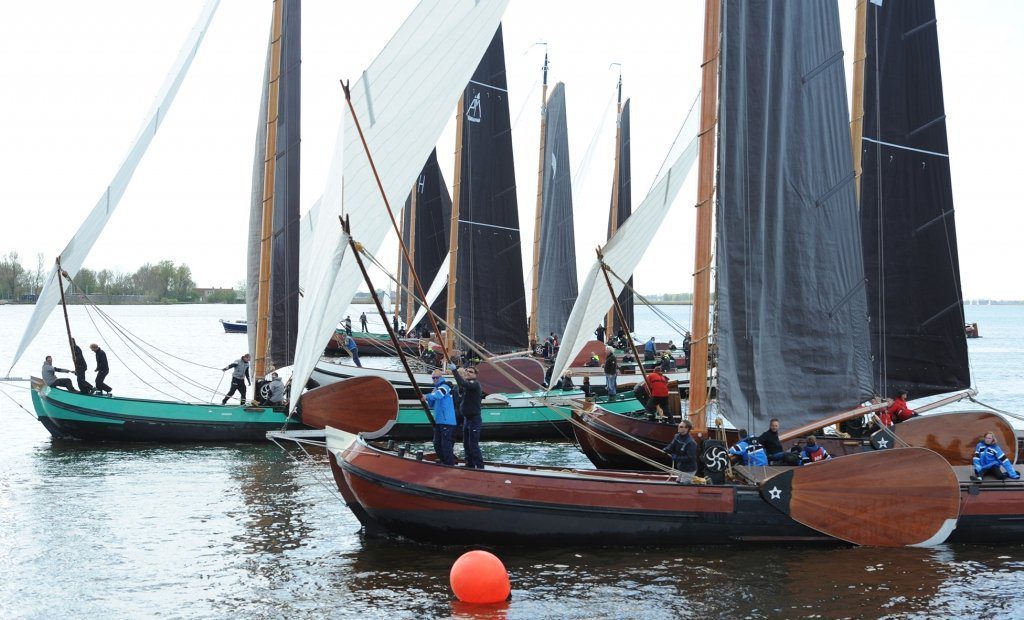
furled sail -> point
(792, 328)
(284, 262)
(78, 248)
(627, 246)
(490, 298)
(909, 236)
(556, 269)
(621, 208)
(404, 99)
(429, 231)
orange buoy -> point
(480, 577)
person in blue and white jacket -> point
(440, 398)
(990, 459)
(748, 451)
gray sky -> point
(80, 77)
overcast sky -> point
(79, 76)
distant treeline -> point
(160, 283)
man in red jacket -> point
(657, 387)
(898, 410)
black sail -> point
(556, 270)
(430, 231)
(490, 301)
(284, 263)
(792, 316)
(624, 194)
(910, 249)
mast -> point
(270, 156)
(705, 190)
(64, 306)
(857, 104)
(613, 217)
(540, 200)
(453, 240)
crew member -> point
(440, 398)
(472, 395)
(239, 377)
(80, 367)
(352, 348)
(649, 350)
(362, 322)
(773, 446)
(594, 362)
(898, 410)
(812, 452)
(348, 325)
(50, 376)
(683, 449)
(668, 364)
(611, 371)
(657, 386)
(990, 459)
(102, 369)
(747, 451)
(276, 388)
(599, 333)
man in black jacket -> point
(80, 367)
(683, 449)
(102, 369)
(773, 446)
(472, 395)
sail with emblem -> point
(426, 222)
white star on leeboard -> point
(883, 443)
(775, 493)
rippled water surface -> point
(252, 531)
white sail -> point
(440, 281)
(73, 255)
(404, 100)
(626, 248)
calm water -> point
(249, 531)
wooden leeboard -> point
(519, 374)
(887, 498)
(954, 435)
(356, 405)
(592, 348)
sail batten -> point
(792, 317)
(74, 254)
(906, 209)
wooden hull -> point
(99, 418)
(510, 505)
(373, 344)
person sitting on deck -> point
(672, 346)
(594, 361)
(773, 446)
(683, 449)
(50, 376)
(566, 384)
(812, 452)
(587, 392)
(649, 350)
(657, 384)
(668, 364)
(747, 451)
(899, 411)
(440, 398)
(276, 387)
(990, 459)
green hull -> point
(103, 418)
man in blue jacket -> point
(748, 451)
(440, 398)
(990, 459)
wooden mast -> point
(398, 267)
(540, 200)
(614, 215)
(857, 105)
(269, 161)
(63, 304)
(705, 190)
(453, 243)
